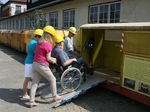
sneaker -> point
(33, 104)
(26, 97)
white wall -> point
(135, 10)
(13, 6)
(131, 10)
(81, 10)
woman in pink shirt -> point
(41, 64)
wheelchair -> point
(68, 78)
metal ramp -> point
(91, 82)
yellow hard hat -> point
(59, 38)
(38, 32)
(72, 30)
(49, 29)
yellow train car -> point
(15, 39)
(19, 39)
(4, 37)
(121, 51)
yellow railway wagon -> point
(15, 39)
(23, 42)
(19, 39)
(121, 51)
(1, 34)
(5, 37)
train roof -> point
(136, 25)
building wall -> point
(131, 11)
(13, 8)
(135, 10)
(81, 10)
(5, 11)
(10, 9)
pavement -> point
(11, 81)
(97, 99)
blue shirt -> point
(68, 46)
(30, 53)
(59, 54)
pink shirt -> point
(41, 51)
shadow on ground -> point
(20, 57)
(13, 96)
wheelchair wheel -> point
(71, 79)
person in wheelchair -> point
(61, 56)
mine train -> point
(19, 39)
(121, 51)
